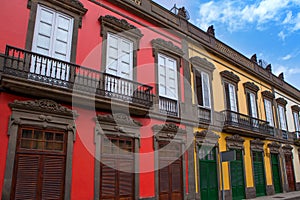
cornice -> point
(44, 106)
(274, 147)
(160, 44)
(251, 86)
(235, 142)
(202, 63)
(120, 25)
(206, 137)
(169, 127)
(287, 149)
(281, 101)
(267, 94)
(118, 119)
(295, 108)
(257, 144)
(230, 76)
(71, 5)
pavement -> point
(281, 196)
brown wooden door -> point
(170, 173)
(290, 172)
(39, 171)
(117, 169)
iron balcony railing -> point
(44, 69)
(246, 122)
(204, 115)
(168, 106)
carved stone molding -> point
(202, 63)
(287, 149)
(206, 137)
(160, 44)
(267, 94)
(295, 108)
(281, 101)
(71, 5)
(43, 105)
(257, 145)
(230, 76)
(168, 132)
(118, 119)
(274, 147)
(235, 142)
(119, 25)
(251, 86)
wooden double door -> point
(237, 177)
(290, 172)
(39, 171)
(170, 172)
(259, 173)
(276, 173)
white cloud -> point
(238, 15)
(287, 57)
(286, 71)
(288, 18)
(281, 35)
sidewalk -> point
(281, 196)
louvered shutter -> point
(282, 117)
(27, 177)
(253, 108)
(206, 89)
(162, 76)
(126, 178)
(296, 121)
(53, 177)
(108, 179)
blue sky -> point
(269, 28)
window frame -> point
(251, 89)
(230, 78)
(281, 103)
(269, 96)
(74, 9)
(44, 114)
(123, 29)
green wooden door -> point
(276, 173)
(259, 174)
(237, 177)
(208, 174)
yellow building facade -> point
(231, 91)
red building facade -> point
(91, 95)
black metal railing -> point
(44, 69)
(246, 122)
(168, 106)
(284, 134)
(204, 115)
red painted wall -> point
(14, 17)
(89, 53)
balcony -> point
(204, 115)
(22, 67)
(246, 125)
(168, 106)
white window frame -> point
(119, 71)
(269, 112)
(253, 105)
(296, 122)
(282, 117)
(53, 32)
(165, 84)
(232, 97)
(206, 75)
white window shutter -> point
(62, 38)
(162, 79)
(172, 79)
(269, 112)
(205, 90)
(232, 96)
(282, 118)
(296, 120)
(253, 105)
(43, 31)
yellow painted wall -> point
(268, 169)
